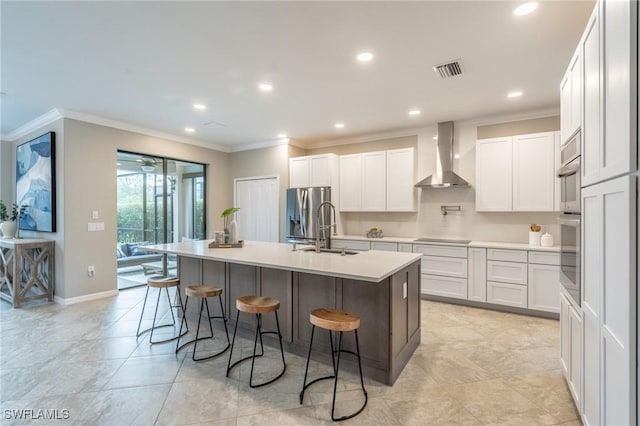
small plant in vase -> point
(9, 223)
(226, 215)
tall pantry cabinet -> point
(609, 51)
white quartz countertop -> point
(486, 244)
(373, 266)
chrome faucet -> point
(334, 225)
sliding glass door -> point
(160, 200)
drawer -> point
(351, 244)
(506, 294)
(508, 272)
(449, 266)
(544, 257)
(384, 246)
(507, 255)
(443, 286)
(405, 247)
(448, 251)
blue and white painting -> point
(35, 183)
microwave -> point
(569, 174)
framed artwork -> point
(36, 183)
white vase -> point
(9, 228)
(233, 232)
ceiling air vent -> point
(449, 69)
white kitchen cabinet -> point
(378, 181)
(620, 81)
(507, 272)
(401, 193)
(405, 247)
(516, 173)
(384, 246)
(351, 182)
(534, 177)
(507, 255)
(557, 162)
(477, 275)
(610, 259)
(444, 270)
(571, 347)
(502, 293)
(440, 285)
(592, 118)
(313, 170)
(571, 97)
(440, 265)
(543, 288)
(360, 245)
(544, 257)
(374, 172)
(494, 174)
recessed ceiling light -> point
(515, 94)
(189, 129)
(365, 57)
(456, 156)
(339, 125)
(435, 137)
(415, 112)
(525, 8)
(265, 87)
(199, 107)
(282, 135)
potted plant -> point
(8, 223)
(226, 214)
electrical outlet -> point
(91, 270)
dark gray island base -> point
(389, 310)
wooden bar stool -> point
(335, 320)
(162, 282)
(257, 305)
(203, 292)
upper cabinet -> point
(313, 170)
(378, 181)
(609, 105)
(516, 173)
(571, 98)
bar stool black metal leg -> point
(171, 305)
(235, 329)
(280, 340)
(182, 321)
(224, 319)
(335, 384)
(306, 370)
(155, 314)
(255, 343)
(144, 304)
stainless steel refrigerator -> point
(301, 220)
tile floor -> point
(473, 367)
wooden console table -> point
(26, 270)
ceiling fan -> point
(148, 165)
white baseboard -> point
(79, 299)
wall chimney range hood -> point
(444, 177)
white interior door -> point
(258, 216)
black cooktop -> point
(441, 240)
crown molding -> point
(93, 119)
(364, 138)
(33, 125)
(259, 145)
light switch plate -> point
(95, 214)
(404, 290)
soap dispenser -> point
(233, 232)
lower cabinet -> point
(477, 276)
(544, 288)
(443, 275)
(571, 347)
(507, 294)
(351, 244)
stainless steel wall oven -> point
(570, 220)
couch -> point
(130, 254)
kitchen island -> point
(382, 288)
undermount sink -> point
(334, 251)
